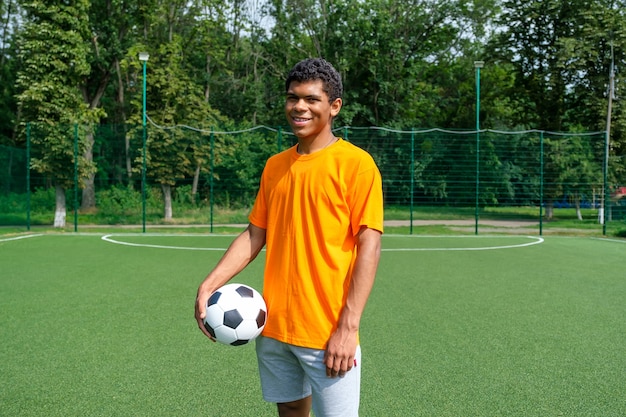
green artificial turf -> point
(530, 331)
(95, 328)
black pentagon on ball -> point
(260, 318)
(214, 298)
(232, 319)
(209, 329)
(245, 292)
(239, 342)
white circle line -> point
(108, 238)
(604, 239)
(536, 240)
(19, 237)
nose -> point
(299, 105)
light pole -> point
(478, 65)
(143, 57)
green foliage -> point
(53, 53)
(14, 207)
(8, 105)
(392, 54)
(118, 200)
(560, 53)
(13, 203)
(220, 66)
(123, 205)
(174, 154)
(43, 200)
(184, 197)
(240, 168)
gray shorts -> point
(289, 373)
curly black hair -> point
(317, 69)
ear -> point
(335, 106)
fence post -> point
(478, 65)
(541, 179)
(211, 169)
(75, 177)
(606, 197)
(412, 180)
(476, 204)
(28, 176)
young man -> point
(319, 210)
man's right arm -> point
(239, 254)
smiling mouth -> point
(299, 120)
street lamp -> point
(478, 65)
(143, 57)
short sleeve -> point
(258, 214)
(367, 198)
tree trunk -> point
(579, 214)
(207, 87)
(194, 186)
(120, 101)
(60, 210)
(549, 210)
(89, 190)
(167, 201)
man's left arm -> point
(339, 356)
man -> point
(319, 210)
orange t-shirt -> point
(312, 207)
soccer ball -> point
(235, 314)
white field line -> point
(109, 238)
(19, 237)
(534, 241)
(604, 239)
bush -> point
(43, 200)
(118, 200)
(13, 203)
(183, 197)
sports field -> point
(95, 325)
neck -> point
(307, 148)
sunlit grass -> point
(93, 328)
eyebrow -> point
(314, 96)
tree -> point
(53, 52)
(8, 26)
(559, 54)
(570, 170)
(110, 22)
(397, 58)
(600, 51)
(174, 98)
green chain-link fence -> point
(529, 179)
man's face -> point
(308, 110)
